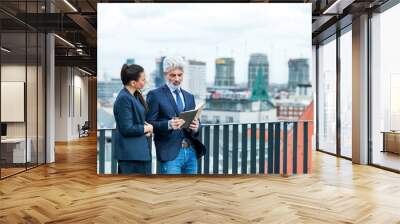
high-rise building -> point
(130, 61)
(259, 90)
(298, 73)
(224, 72)
(258, 64)
(107, 90)
(194, 79)
(159, 79)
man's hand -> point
(176, 123)
(194, 126)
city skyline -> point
(228, 36)
(210, 83)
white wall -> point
(14, 73)
(61, 103)
(194, 81)
(80, 100)
(71, 94)
(17, 73)
(33, 126)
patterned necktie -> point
(179, 102)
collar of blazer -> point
(172, 100)
(136, 104)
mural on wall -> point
(162, 60)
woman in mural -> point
(133, 145)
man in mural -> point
(177, 149)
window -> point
(346, 94)
(327, 96)
(22, 64)
(385, 86)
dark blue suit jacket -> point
(132, 143)
(162, 108)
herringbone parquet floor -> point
(70, 191)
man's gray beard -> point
(174, 87)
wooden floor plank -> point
(70, 191)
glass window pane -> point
(386, 89)
(23, 82)
(41, 98)
(32, 87)
(346, 94)
(327, 97)
(13, 85)
(31, 97)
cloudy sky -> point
(203, 32)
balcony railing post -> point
(253, 152)
(113, 150)
(225, 153)
(277, 152)
(270, 148)
(207, 155)
(261, 154)
(295, 147)
(102, 151)
(305, 144)
(285, 143)
(216, 150)
(235, 147)
(244, 149)
(199, 160)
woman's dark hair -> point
(132, 73)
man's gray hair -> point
(171, 63)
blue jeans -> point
(184, 163)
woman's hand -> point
(148, 128)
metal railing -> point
(281, 147)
